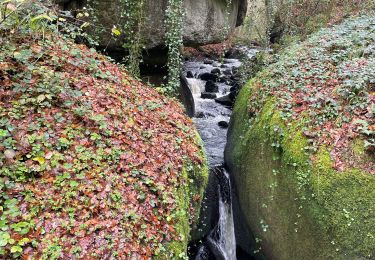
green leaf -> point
(23, 241)
(16, 249)
(3, 133)
(41, 98)
(116, 31)
(40, 160)
(4, 238)
(41, 17)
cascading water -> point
(222, 239)
(212, 118)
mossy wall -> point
(297, 208)
(189, 206)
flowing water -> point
(222, 239)
(211, 120)
(208, 112)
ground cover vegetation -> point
(92, 162)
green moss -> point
(195, 181)
(295, 205)
(293, 199)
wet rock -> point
(211, 86)
(221, 80)
(207, 61)
(234, 53)
(216, 71)
(235, 87)
(225, 100)
(208, 76)
(230, 82)
(227, 72)
(208, 95)
(202, 67)
(199, 114)
(232, 96)
(186, 97)
(223, 124)
(189, 74)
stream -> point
(213, 85)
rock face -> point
(204, 22)
(302, 203)
(258, 20)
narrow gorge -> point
(183, 129)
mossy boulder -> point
(302, 162)
(93, 164)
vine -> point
(174, 41)
(133, 15)
(127, 28)
(227, 27)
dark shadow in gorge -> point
(209, 217)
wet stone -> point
(227, 72)
(211, 86)
(208, 95)
(225, 100)
(189, 74)
(223, 124)
(216, 71)
(199, 115)
(208, 76)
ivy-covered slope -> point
(301, 147)
(93, 164)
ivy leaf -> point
(116, 31)
(23, 241)
(41, 17)
(4, 238)
(85, 24)
(16, 249)
(40, 160)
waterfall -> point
(196, 86)
(211, 119)
(222, 240)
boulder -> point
(223, 124)
(208, 76)
(203, 24)
(216, 71)
(225, 100)
(211, 86)
(227, 72)
(306, 195)
(189, 74)
(208, 95)
(89, 144)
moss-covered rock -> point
(307, 194)
(93, 164)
